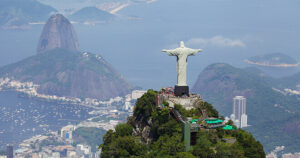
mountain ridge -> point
(67, 73)
(219, 83)
(91, 14)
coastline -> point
(272, 65)
(29, 89)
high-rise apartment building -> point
(9, 151)
(239, 116)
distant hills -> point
(17, 14)
(20, 14)
(292, 82)
(71, 5)
(112, 6)
(60, 69)
(269, 103)
(273, 60)
(280, 132)
(92, 15)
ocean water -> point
(22, 118)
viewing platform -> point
(167, 95)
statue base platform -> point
(181, 91)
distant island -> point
(273, 60)
(16, 14)
(91, 15)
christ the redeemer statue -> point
(182, 54)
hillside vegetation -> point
(268, 110)
(88, 135)
(69, 73)
(165, 135)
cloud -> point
(218, 41)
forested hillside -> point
(165, 135)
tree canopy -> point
(166, 135)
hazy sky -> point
(227, 30)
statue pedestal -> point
(181, 91)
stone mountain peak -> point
(58, 33)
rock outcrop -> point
(58, 33)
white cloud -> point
(218, 41)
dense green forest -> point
(166, 135)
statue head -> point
(181, 44)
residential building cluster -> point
(287, 155)
(106, 118)
(62, 151)
(37, 148)
(275, 152)
(290, 155)
(67, 133)
(288, 91)
(99, 124)
(30, 89)
(278, 152)
(129, 105)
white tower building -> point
(232, 117)
(244, 120)
(237, 123)
(239, 111)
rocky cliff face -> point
(58, 33)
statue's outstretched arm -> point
(195, 51)
(170, 52)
